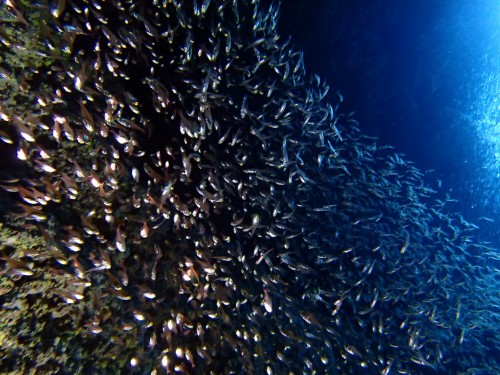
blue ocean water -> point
(422, 76)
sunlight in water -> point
(488, 122)
(485, 119)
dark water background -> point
(422, 76)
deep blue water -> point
(422, 76)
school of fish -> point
(241, 222)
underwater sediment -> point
(182, 198)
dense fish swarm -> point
(205, 210)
